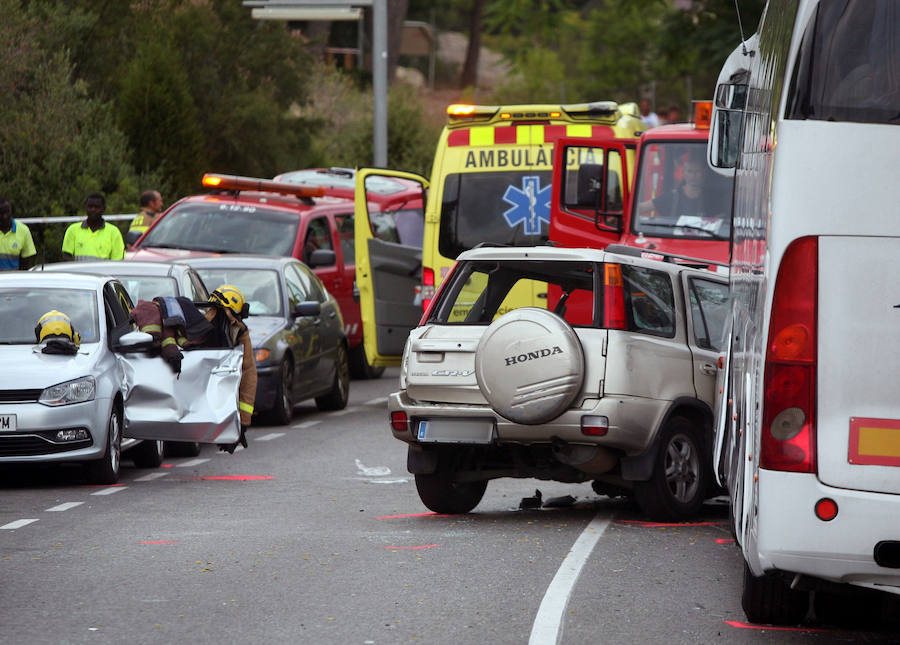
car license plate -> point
(874, 442)
(7, 423)
(456, 430)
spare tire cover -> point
(529, 365)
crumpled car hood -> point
(26, 368)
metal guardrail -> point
(73, 218)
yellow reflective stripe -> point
(579, 130)
(481, 136)
(151, 328)
(527, 134)
(245, 407)
(182, 340)
(168, 341)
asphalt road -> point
(315, 534)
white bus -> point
(808, 422)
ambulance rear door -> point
(591, 188)
(388, 228)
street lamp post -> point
(284, 9)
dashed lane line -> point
(380, 400)
(110, 490)
(192, 462)
(150, 477)
(340, 413)
(307, 424)
(548, 623)
(269, 437)
(17, 524)
(63, 507)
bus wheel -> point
(770, 600)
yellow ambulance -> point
(490, 184)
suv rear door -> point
(707, 305)
(388, 266)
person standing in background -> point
(151, 207)
(16, 245)
(93, 239)
(648, 116)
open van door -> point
(200, 404)
(592, 181)
(389, 222)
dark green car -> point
(295, 327)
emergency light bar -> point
(459, 113)
(702, 114)
(234, 182)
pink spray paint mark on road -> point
(412, 548)
(724, 540)
(645, 524)
(158, 542)
(428, 514)
(740, 625)
(166, 465)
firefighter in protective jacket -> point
(228, 314)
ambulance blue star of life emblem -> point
(530, 205)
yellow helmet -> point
(55, 324)
(230, 296)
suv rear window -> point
(226, 227)
(482, 291)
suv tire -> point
(442, 495)
(681, 474)
(529, 365)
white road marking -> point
(110, 490)
(547, 626)
(17, 524)
(341, 413)
(403, 480)
(307, 424)
(375, 471)
(64, 506)
(150, 477)
(380, 400)
(192, 462)
(269, 437)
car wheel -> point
(181, 448)
(337, 397)
(442, 495)
(770, 600)
(360, 367)
(106, 469)
(283, 411)
(149, 454)
(681, 474)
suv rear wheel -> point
(443, 495)
(681, 474)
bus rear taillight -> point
(613, 297)
(788, 440)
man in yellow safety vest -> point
(93, 239)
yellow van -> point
(490, 184)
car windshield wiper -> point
(701, 229)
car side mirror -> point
(132, 236)
(134, 341)
(322, 258)
(308, 308)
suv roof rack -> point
(663, 256)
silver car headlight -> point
(77, 391)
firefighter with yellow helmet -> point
(227, 316)
(56, 333)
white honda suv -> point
(610, 380)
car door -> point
(345, 296)
(388, 272)
(304, 333)
(707, 306)
(200, 404)
(328, 324)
